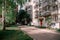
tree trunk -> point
(4, 28)
(3, 17)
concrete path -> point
(40, 34)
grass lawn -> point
(13, 35)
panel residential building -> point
(42, 9)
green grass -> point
(13, 35)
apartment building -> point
(32, 7)
(43, 12)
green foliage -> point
(1, 2)
(20, 2)
(41, 26)
(10, 14)
(1, 7)
(58, 30)
(10, 3)
(48, 18)
(23, 15)
(0, 10)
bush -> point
(58, 30)
(41, 26)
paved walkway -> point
(40, 34)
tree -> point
(10, 15)
(8, 7)
(0, 7)
(23, 17)
(21, 2)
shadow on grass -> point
(13, 35)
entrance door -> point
(41, 21)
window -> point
(36, 6)
(59, 5)
(36, 15)
(45, 8)
(39, 4)
(48, 7)
(55, 7)
(56, 17)
(40, 13)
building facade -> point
(43, 12)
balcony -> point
(45, 13)
(54, 12)
(36, 6)
(44, 4)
